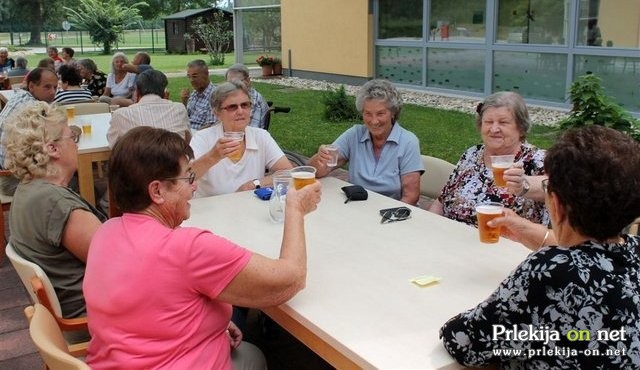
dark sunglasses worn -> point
(234, 107)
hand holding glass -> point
(237, 136)
(303, 176)
(333, 152)
(485, 213)
(500, 163)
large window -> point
(620, 77)
(400, 64)
(457, 20)
(609, 23)
(533, 75)
(532, 21)
(456, 69)
(400, 19)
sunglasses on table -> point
(394, 214)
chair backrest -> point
(634, 228)
(90, 108)
(436, 174)
(47, 336)
(27, 270)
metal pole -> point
(289, 58)
(153, 44)
(81, 48)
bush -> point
(338, 106)
(592, 107)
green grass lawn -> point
(443, 134)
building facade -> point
(468, 47)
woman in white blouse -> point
(120, 83)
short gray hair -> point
(151, 81)
(21, 62)
(511, 100)
(380, 90)
(199, 63)
(3, 49)
(238, 68)
(224, 90)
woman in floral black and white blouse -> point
(503, 121)
(574, 302)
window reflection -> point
(457, 20)
(603, 23)
(400, 19)
(400, 64)
(532, 21)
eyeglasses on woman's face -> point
(234, 107)
(74, 138)
(191, 178)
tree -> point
(215, 35)
(105, 20)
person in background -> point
(67, 55)
(198, 101)
(51, 225)
(20, 68)
(70, 83)
(182, 321)
(41, 84)
(141, 62)
(582, 278)
(120, 83)
(151, 109)
(503, 122)
(383, 156)
(217, 172)
(259, 106)
(52, 51)
(6, 63)
(95, 80)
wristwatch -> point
(256, 183)
(525, 187)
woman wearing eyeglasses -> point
(51, 225)
(573, 303)
(225, 165)
(160, 295)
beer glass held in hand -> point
(333, 151)
(485, 213)
(236, 155)
(499, 164)
(303, 176)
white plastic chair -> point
(435, 176)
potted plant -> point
(266, 62)
(277, 66)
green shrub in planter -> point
(592, 107)
(339, 107)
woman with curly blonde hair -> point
(51, 225)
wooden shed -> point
(177, 24)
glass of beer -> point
(500, 163)
(485, 213)
(71, 112)
(303, 176)
(237, 136)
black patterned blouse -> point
(565, 308)
(97, 83)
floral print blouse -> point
(592, 289)
(472, 183)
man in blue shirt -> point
(198, 101)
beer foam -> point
(489, 209)
(303, 175)
(501, 165)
